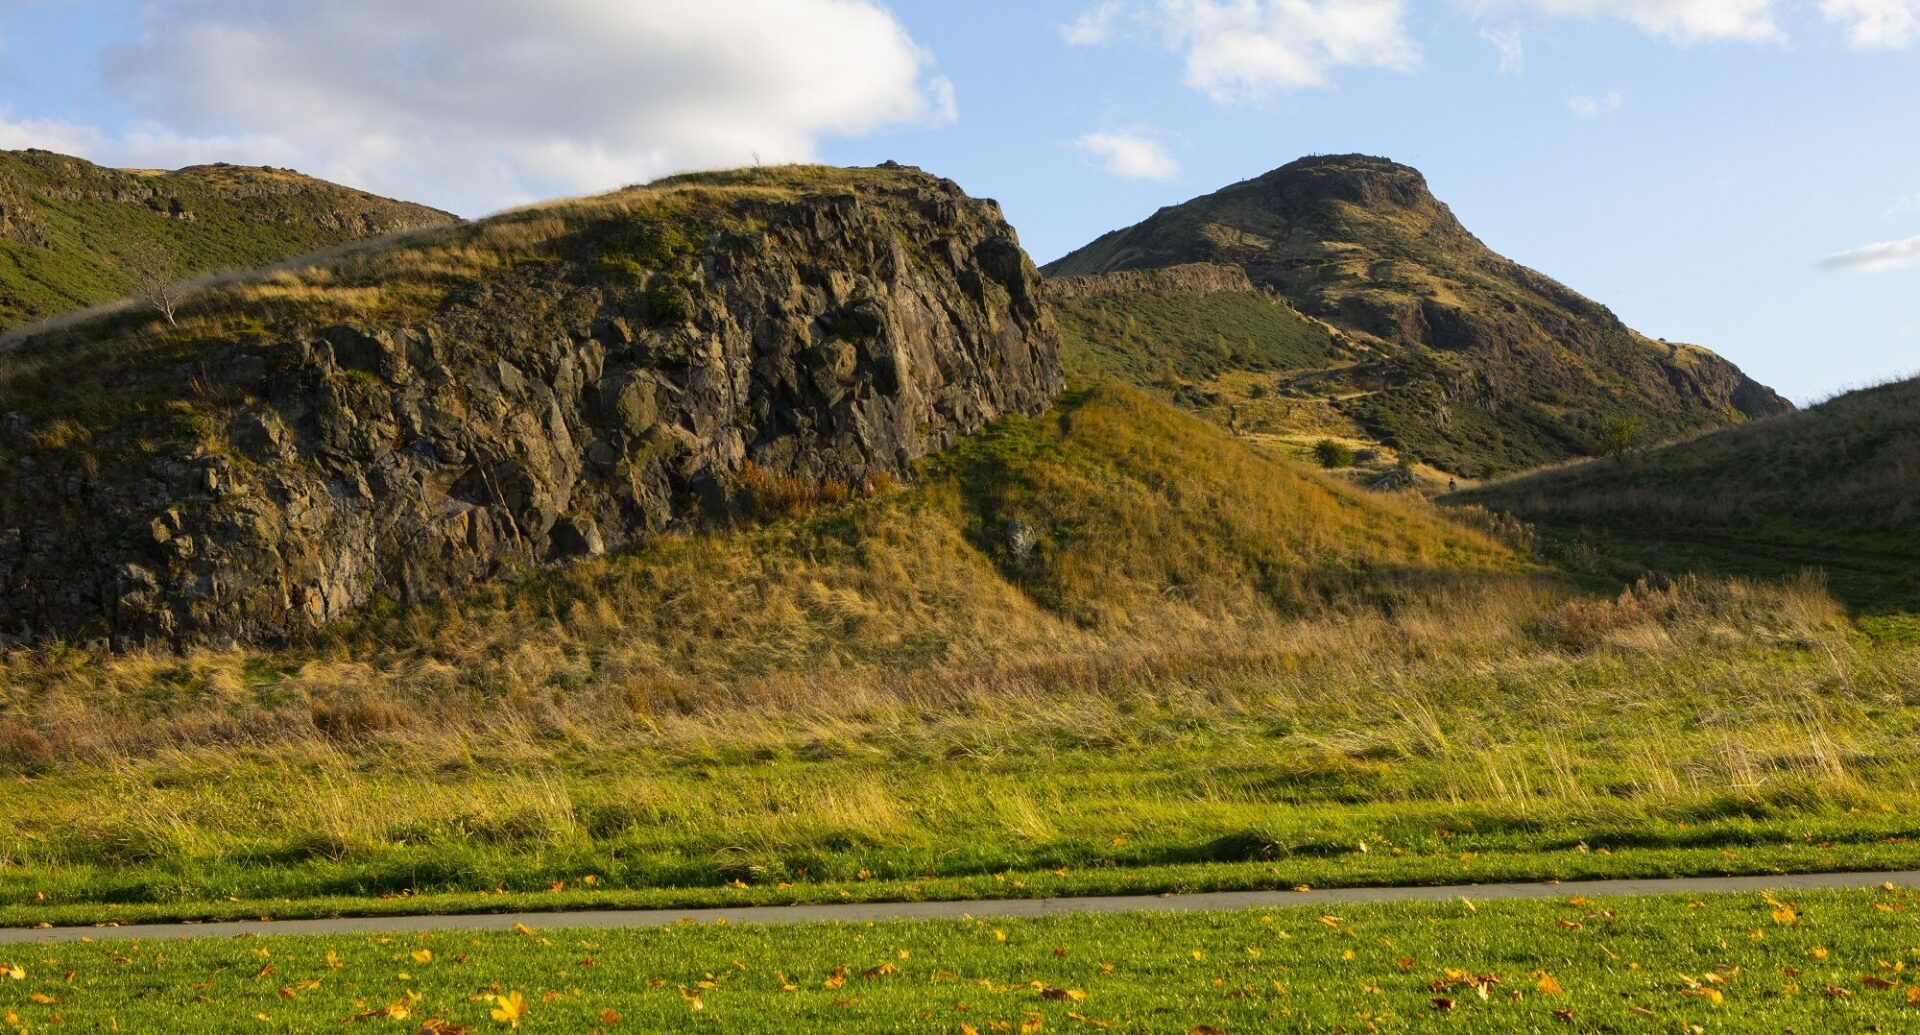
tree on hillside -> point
(1620, 437)
(156, 278)
(1333, 454)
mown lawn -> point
(1811, 962)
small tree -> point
(1620, 437)
(156, 278)
(1333, 454)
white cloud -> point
(1512, 48)
(1132, 156)
(1683, 21)
(480, 104)
(1877, 258)
(1242, 49)
(1876, 24)
(1247, 49)
(1095, 26)
(48, 134)
(1592, 107)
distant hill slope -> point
(66, 223)
(1446, 350)
(407, 420)
(1834, 487)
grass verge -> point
(1817, 961)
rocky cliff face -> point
(618, 369)
(1196, 278)
(1465, 358)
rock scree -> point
(636, 373)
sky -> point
(1744, 174)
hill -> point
(1438, 347)
(403, 421)
(67, 226)
(1835, 487)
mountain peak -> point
(1458, 354)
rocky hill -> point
(402, 422)
(67, 226)
(1446, 350)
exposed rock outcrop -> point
(1195, 278)
(613, 380)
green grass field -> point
(1813, 961)
(1665, 746)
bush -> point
(669, 302)
(1333, 454)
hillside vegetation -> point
(68, 228)
(1116, 532)
(1453, 354)
(1834, 488)
(1113, 647)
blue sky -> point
(1698, 165)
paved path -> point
(1007, 908)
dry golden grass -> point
(1163, 551)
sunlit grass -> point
(1814, 961)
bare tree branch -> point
(156, 278)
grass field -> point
(1813, 961)
(1669, 745)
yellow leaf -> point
(422, 955)
(1820, 953)
(43, 999)
(609, 1016)
(14, 971)
(1032, 1024)
(509, 1009)
(838, 979)
(1548, 986)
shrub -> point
(1333, 454)
(669, 302)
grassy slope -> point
(1212, 668)
(1835, 488)
(1245, 360)
(1820, 961)
(1148, 338)
(72, 219)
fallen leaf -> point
(509, 1009)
